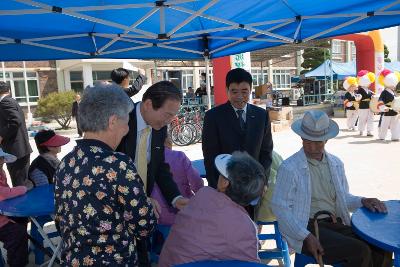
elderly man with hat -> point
(313, 180)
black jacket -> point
(351, 98)
(44, 166)
(75, 109)
(366, 98)
(387, 98)
(222, 134)
(13, 128)
(158, 170)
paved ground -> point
(372, 166)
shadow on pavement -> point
(374, 141)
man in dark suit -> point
(75, 112)
(144, 143)
(14, 136)
(236, 125)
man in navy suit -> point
(236, 125)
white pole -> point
(208, 82)
(331, 88)
(4, 71)
(155, 72)
(29, 115)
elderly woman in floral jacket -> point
(101, 206)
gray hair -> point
(99, 103)
(247, 178)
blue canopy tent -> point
(338, 70)
(176, 29)
(393, 66)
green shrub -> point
(57, 106)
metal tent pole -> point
(4, 71)
(155, 72)
(29, 115)
(206, 60)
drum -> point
(396, 104)
(373, 104)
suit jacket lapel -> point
(251, 121)
(132, 134)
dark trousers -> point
(342, 245)
(15, 240)
(78, 126)
(143, 252)
(19, 170)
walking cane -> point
(319, 213)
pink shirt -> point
(6, 192)
(186, 178)
(210, 227)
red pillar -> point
(221, 66)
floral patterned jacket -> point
(101, 206)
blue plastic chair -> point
(302, 260)
(161, 232)
(230, 263)
(42, 220)
(281, 253)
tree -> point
(57, 106)
(386, 53)
(313, 57)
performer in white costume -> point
(351, 102)
(390, 119)
(365, 115)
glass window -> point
(258, 77)
(7, 75)
(210, 75)
(17, 83)
(33, 90)
(77, 86)
(101, 75)
(281, 79)
(337, 50)
(18, 74)
(76, 76)
(353, 51)
(187, 79)
(31, 74)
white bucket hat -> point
(315, 126)
(8, 158)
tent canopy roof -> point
(340, 70)
(177, 29)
